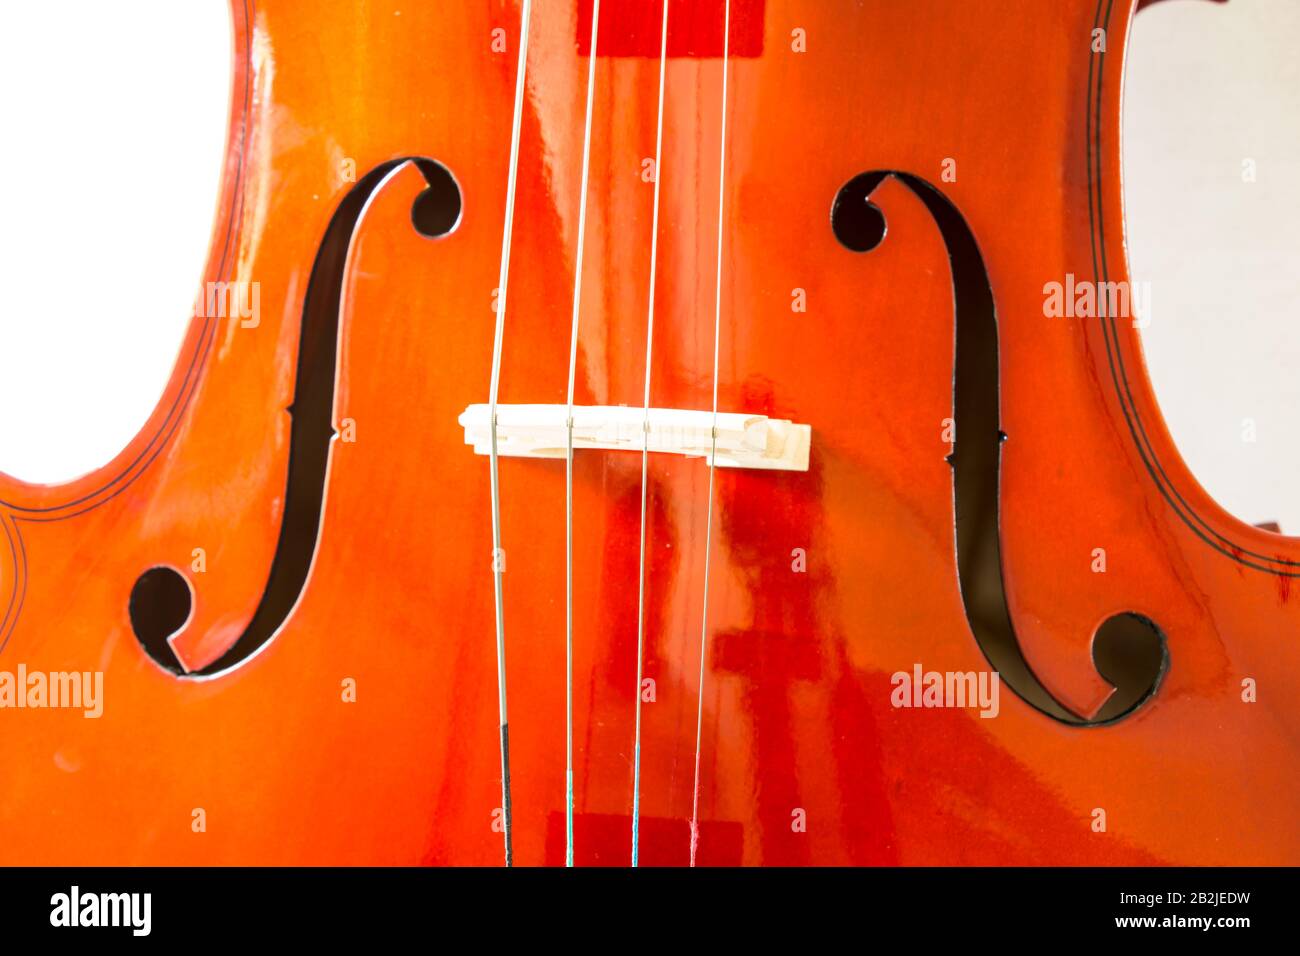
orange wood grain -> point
(797, 711)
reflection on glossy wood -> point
(824, 583)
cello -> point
(648, 425)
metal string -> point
(645, 445)
(708, 532)
(498, 556)
(568, 471)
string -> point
(498, 563)
(708, 527)
(568, 470)
(645, 445)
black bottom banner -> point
(817, 905)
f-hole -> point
(1129, 651)
(160, 602)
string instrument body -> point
(314, 665)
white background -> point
(114, 123)
(1208, 87)
(114, 118)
